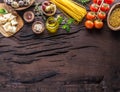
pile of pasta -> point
(72, 8)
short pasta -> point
(114, 19)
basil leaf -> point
(64, 26)
(70, 21)
(68, 28)
(60, 20)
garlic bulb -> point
(9, 1)
(21, 3)
(15, 4)
(27, 2)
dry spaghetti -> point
(71, 8)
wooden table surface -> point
(79, 61)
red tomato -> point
(98, 24)
(105, 7)
(97, 1)
(109, 1)
(91, 15)
(101, 15)
(94, 7)
(89, 24)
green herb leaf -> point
(3, 11)
(70, 21)
(66, 27)
(60, 20)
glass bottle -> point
(52, 24)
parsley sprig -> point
(67, 24)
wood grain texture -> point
(79, 61)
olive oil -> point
(52, 24)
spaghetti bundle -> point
(72, 8)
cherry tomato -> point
(91, 15)
(109, 1)
(97, 1)
(101, 15)
(94, 7)
(105, 7)
(89, 24)
(98, 24)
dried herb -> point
(38, 11)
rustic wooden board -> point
(80, 61)
(18, 18)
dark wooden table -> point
(79, 61)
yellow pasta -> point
(115, 18)
(72, 8)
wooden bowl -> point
(38, 31)
(29, 16)
(23, 8)
(47, 14)
(109, 14)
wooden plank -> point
(79, 61)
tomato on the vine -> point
(94, 7)
(97, 1)
(105, 7)
(91, 15)
(101, 15)
(109, 1)
(89, 24)
(98, 24)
